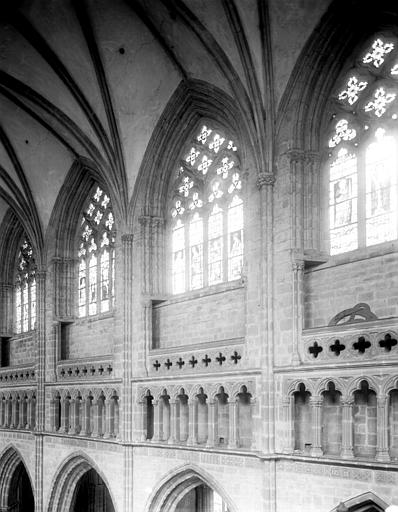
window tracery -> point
(25, 289)
(96, 275)
(363, 155)
(206, 213)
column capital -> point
(265, 178)
(127, 238)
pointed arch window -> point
(25, 289)
(206, 213)
(96, 275)
(363, 157)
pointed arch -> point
(192, 100)
(66, 478)
(178, 483)
(362, 502)
(10, 459)
(303, 112)
(64, 221)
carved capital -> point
(298, 266)
(265, 178)
(127, 238)
(151, 220)
(296, 155)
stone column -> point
(192, 431)
(297, 285)
(52, 414)
(143, 411)
(64, 414)
(116, 423)
(316, 406)
(28, 424)
(253, 444)
(156, 421)
(211, 424)
(233, 423)
(347, 451)
(265, 184)
(95, 415)
(2, 411)
(288, 415)
(14, 411)
(107, 428)
(173, 422)
(85, 415)
(21, 407)
(74, 414)
(7, 415)
(382, 453)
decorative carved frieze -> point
(87, 369)
(357, 342)
(190, 361)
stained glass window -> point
(96, 271)
(25, 289)
(206, 213)
(363, 151)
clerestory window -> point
(206, 213)
(25, 289)
(363, 156)
(96, 279)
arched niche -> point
(189, 490)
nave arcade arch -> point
(189, 490)
(16, 491)
(80, 487)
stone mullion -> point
(211, 433)
(316, 406)
(382, 453)
(232, 423)
(9, 412)
(265, 183)
(347, 433)
(173, 422)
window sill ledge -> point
(198, 294)
(364, 253)
(93, 319)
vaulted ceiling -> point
(91, 78)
